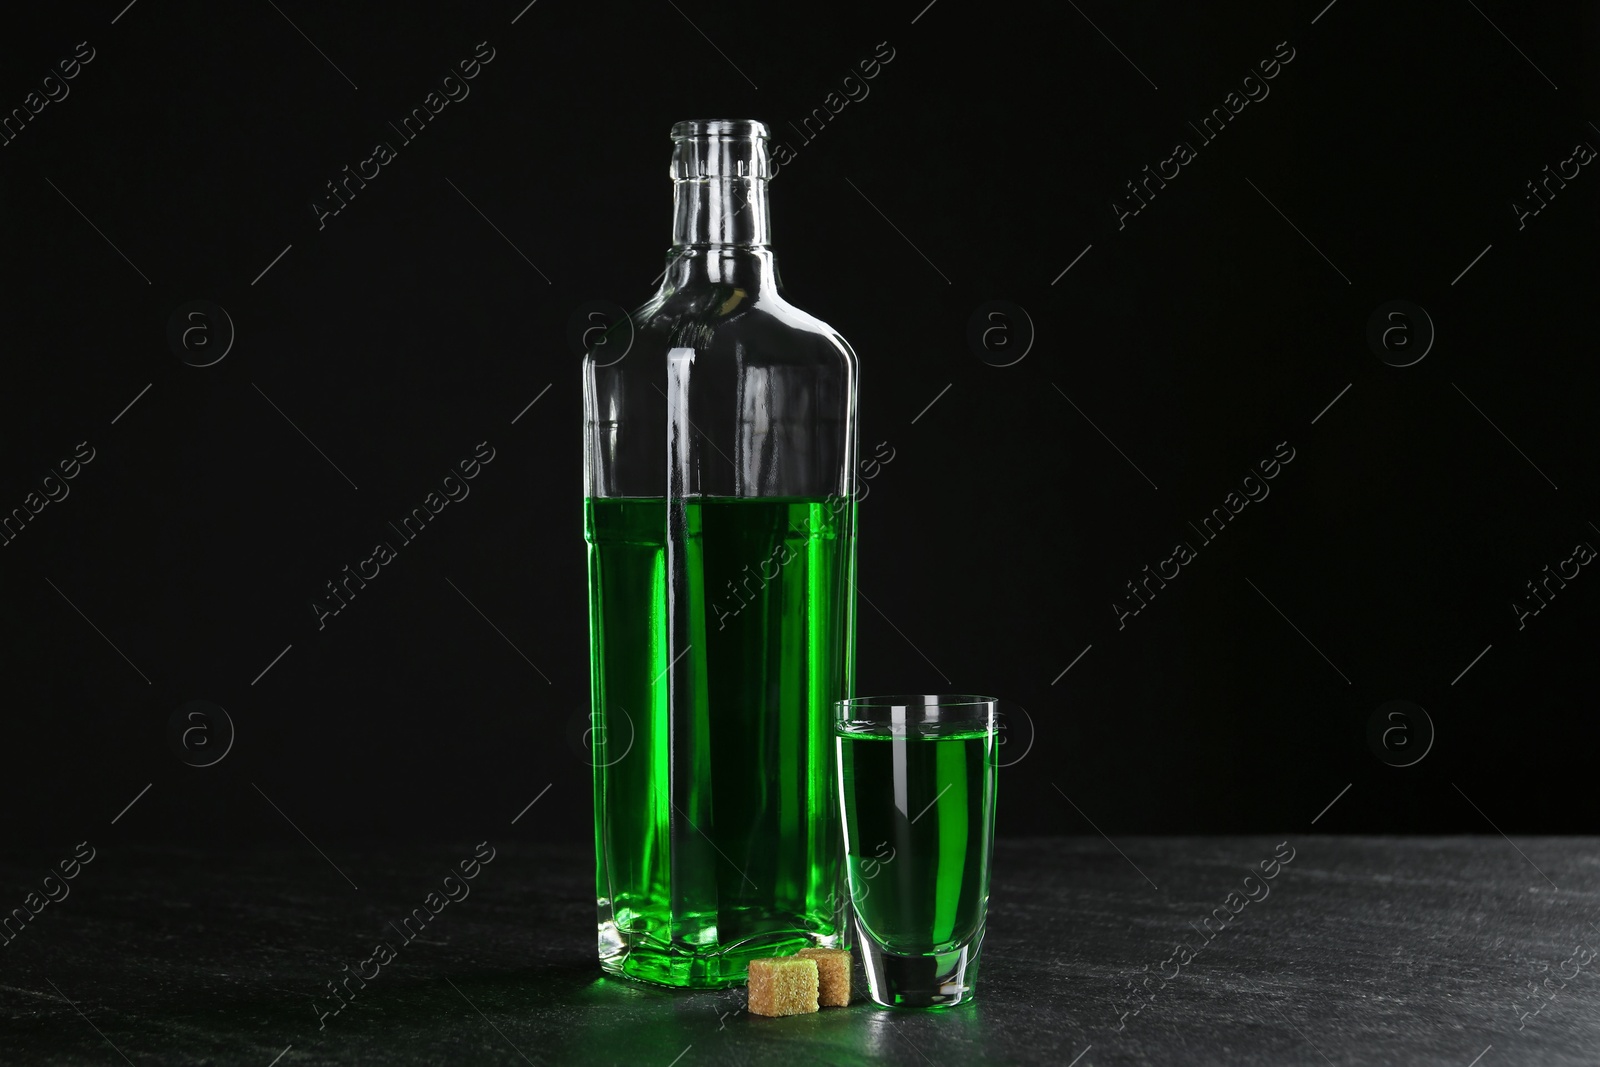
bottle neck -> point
(721, 233)
(720, 211)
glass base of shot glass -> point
(940, 980)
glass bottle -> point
(719, 467)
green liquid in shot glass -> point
(918, 825)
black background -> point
(984, 160)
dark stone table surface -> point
(1453, 951)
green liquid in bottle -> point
(918, 827)
(717, 834)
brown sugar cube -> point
(784, 985)
(833, 975)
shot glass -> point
(917, 792)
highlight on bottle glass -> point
(917, 779)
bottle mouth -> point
(735, 129)
(726, 149)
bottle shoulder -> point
(754, 328)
